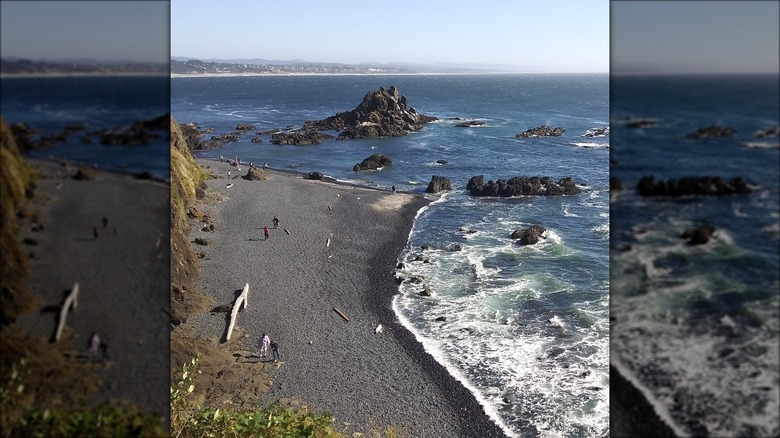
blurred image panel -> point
(85, 218)
(694, 213)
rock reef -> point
(541, 131)
(522, 186)
(692, 185)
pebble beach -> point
(320, 286)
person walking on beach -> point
(276, 222)
(95, 232)
(275, 351)
(393, 189)
(266, 232)
(93, 344)
(264, 342)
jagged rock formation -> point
(522, 186)
(529, 236)
(438, 184)
(711, 131)
(300, 138)
(692, 185)
(382, 113)
(192, 134)
(373, 162)
(541, 131)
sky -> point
(695, 36)
(533, 35)
(109, 31)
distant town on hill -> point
(191, 66)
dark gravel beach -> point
(123, 277)
(336, 248)
(631, 415)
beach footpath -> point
(320, 285)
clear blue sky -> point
(695, 36)
(108, 30)
(535, 35)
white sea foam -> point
(762, 144)
(591, 145)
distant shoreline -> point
(224, 75)
(78, 74)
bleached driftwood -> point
(71, 300)
(341, 314)
(327, 244)
(240, 301)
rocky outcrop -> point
(373, 162)
(699, 235)
(192, 134)
(438, 184)
(315, 175)
(256, 174)
(300, 138)
(382, 113)
(522, 186)
(692, 186)
(242, 128)
(711, 131)
(218, 141)
(615, 184)
(541, 131)
(529, 236)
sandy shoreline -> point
(123, 277)
(336, 247)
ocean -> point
(98, 103)
(696, 327)
(526, 328)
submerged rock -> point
(711, 131)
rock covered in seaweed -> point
(382, 113)
(522, 186)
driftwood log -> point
(240, 302)
(70, 301)
(341, 314)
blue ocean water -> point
(527, 328)
(697, 326)
(97, 102)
